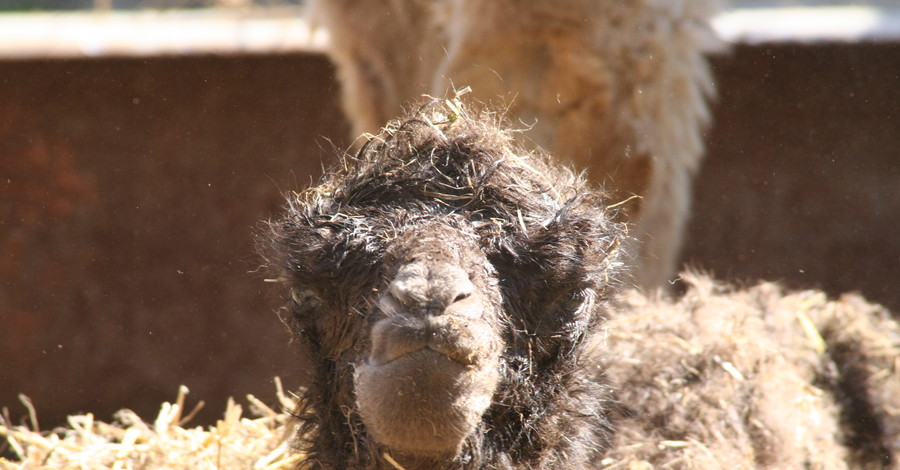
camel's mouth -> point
(423, 402)
(427, 380)
(451, 355)
(468, 342)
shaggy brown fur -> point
(445, 287)
(754, 378)
(618, 88)
(451, 291)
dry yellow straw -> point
(236, 441)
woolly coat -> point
(618, 88)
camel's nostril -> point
(433, 286)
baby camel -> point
(449, 292)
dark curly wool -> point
(514, 384)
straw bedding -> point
(719, 378)
(128, 442)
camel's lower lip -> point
(467, 342)
(458, 358)
(422, 391)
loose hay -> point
(236, 441)
(719, 378)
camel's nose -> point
(431, 287)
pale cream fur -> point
(619, 88)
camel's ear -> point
(577, 249)
(557, 271)
(323, 261)
(297, 250)
(317, 250)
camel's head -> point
(443, 289)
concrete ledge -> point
(809, 24)
(276, 30)
(150, 33)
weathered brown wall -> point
(802, 179)
(129, 189)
